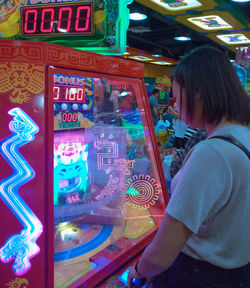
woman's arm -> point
(164, 249)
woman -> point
(204, 238)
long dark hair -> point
(209, 72)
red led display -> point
(69, 117)
(69, 94)
(57, 20)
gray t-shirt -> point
(211, 196)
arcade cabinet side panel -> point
(22, 174)
(151, 139)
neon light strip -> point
(20, 247)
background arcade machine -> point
(80, 195)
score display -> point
(69, 117)
(68, 94)
(58, 20)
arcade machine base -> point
(87, 240)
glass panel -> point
(107, 193)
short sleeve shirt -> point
(211, 196)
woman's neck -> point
(211, 128)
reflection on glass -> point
(107, 193)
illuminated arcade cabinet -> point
(81, 185)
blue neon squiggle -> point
(20, 247)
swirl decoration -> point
(142, 191)
(19, 247)
(18, 283)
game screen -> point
(107, 193)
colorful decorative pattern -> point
(22, 80)
(211, 22)
(19, 247)
(59, 56)
(175, 5)
(18, 283)
(234, 38)
(142, 191)
(107, 159)
(9, 17)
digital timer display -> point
(58, 20)
(69, 117)
(68, 94)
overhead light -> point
(124, 93)
(141, 58)
(137, 16)
(178, 5)
(237, 38)
(242, 47)
(241, 1)
(157, 53)
(210, 22)
(161, 63)
(232, 61)
(182, 38)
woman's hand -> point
(133, 274)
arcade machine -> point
(82, 189)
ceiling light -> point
(242, 47)
(210, 22)
(124, 93)
(178, 5)
(161, 63)
(157, 55)
(157, 52)
(141, 58)
(234, 38)
(182, 38)
(137, 16)
(240, 1)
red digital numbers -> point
(56, 93)
(31, 19)
(69, 94)
(68, 19)
(69, 117)
(65, 15)
(47, 20)
(78, 17)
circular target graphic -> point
(142, 191)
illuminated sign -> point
(19, 247)
(55, 20)
(70, 170)
(65, 93)
(211, 22)
(142, 191)
(141, 58)
(234, 38)
(161, 63)
(73, 101)
(69, 117)
(98, 26)
(176, 5)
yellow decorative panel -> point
(175, 7)
(210, 21)
(239, 38)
